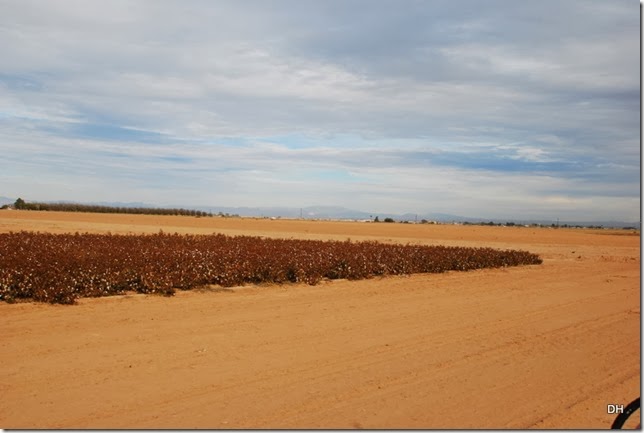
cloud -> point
(364, 104)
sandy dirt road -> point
(545, 346)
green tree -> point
(19, 204)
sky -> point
(482, 108)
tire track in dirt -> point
(413, 348)
(402, 350)
(445, 366)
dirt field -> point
(544, 346)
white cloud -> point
(529, 109)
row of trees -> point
(553, 225)
(387, 220)
(75, 207)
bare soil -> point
(544, 346)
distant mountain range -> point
(342, 213)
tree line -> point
(20, 204)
